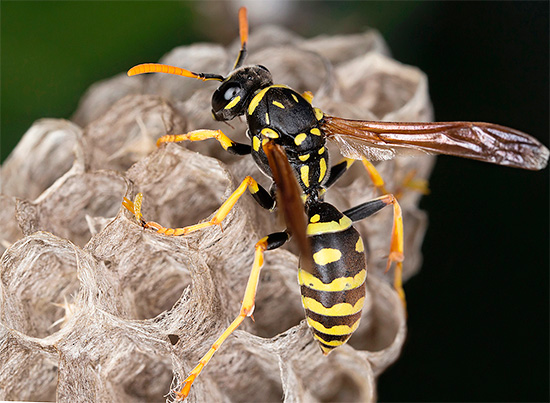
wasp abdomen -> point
(333, 294)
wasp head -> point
(233, 95)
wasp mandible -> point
(288, 142)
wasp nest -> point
(95, 308)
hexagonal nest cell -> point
(95, 308)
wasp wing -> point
(480, 141)
(289, 201)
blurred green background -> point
(479, 309)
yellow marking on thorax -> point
(321, 150)
(299, 139)
(339, 284)
(256, 143)
(315, 131)
(359, 247)
(322, 169)
(267, 118)
(259, 96)
(270, 133)
(326, 256)
(318, 113)
(327, 227)
(342, 309)
(304, 157)
(233, 102)
(315, 218)
(278, 104)
(304, 174)
(295, 98)
(338, 330)
(308, 96)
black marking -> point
(239, 149)
(276, 240)
(365, 210)
(331, 298)
(263, 198)
(331, 321)
(350, 263)
(330, 337)
(335, 173)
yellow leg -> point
(247, 308)
(396, 246)
(398, 284)
(374, 176)
(223, 211)
(419, 185)
(198, 135)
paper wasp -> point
(289, 144)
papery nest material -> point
(95, 308)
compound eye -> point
(231, 92)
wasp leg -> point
(419, 185)
(396, 249)
(199, 135)
(336, 171)
(269, 242)
(374, 175)
(261, 196)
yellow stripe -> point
(342, 309)
(323, 169)
(256, 143)
(303, 157)
(267, 118)
(321, 150)
(333, 343)
(304, 173)
(277, 103)
(299, 139)
(359, 247)
(234, 102)
(326, 256)
(315, 218)
(339, 330)
(327, 227)
(315, 131)
(339, 284)
(295, 98)
(259, 96)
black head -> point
(236, 91)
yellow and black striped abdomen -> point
(334, 293)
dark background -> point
(479, 309)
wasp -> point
(288, 142)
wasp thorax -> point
(235, 92)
